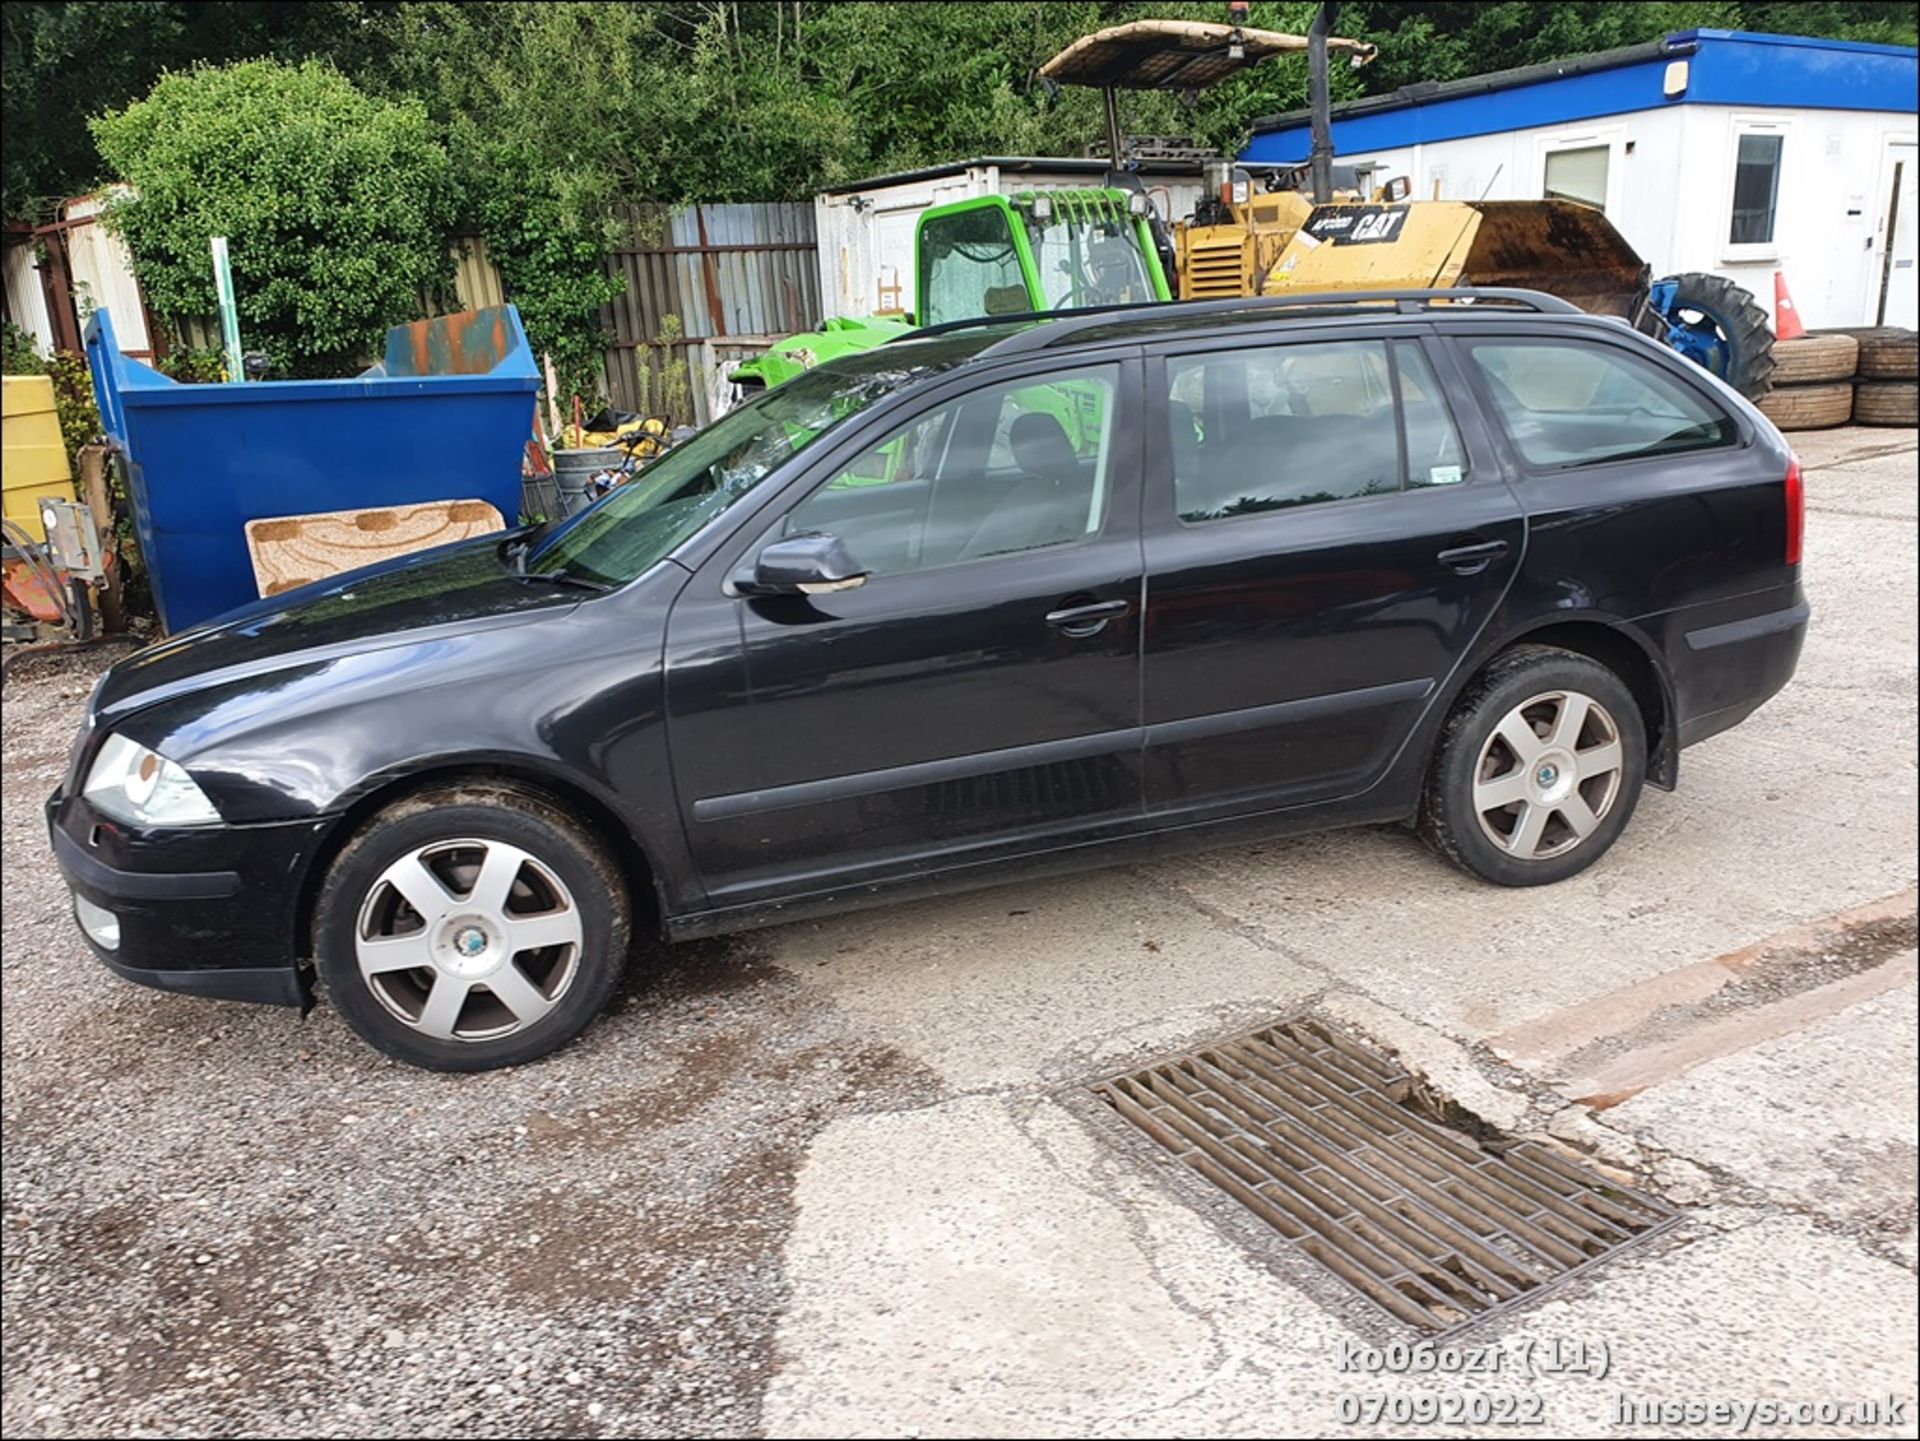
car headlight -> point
(138, 786)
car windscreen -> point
(640, 522)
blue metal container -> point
(446, 417)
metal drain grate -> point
(1304, 1128)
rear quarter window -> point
(1570, 403)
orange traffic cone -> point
(1786, 320)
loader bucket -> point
(1556, 246)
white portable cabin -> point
(865, 230)
(1710, 150)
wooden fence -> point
(706, 286)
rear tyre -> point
(1886, 402)
(1810, 407)
(1814, 358)
(471, 928)
(1537, 770)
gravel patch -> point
(222, 1220)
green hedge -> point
(336, 206)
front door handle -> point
(1474, 557)
(1084, 620)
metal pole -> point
(1113, 128)
(229, 311)
(1320, 157)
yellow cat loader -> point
(1316, 229)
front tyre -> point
(1538, 769)
(470, 928)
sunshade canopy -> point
(1174, 54)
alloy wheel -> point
(1548, 775)
(468, 940)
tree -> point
(552, 114)
(768, 99)
(336, 206)
(66, 62)
(1422, 42)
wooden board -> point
(292, 550)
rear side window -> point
(1568, 404)
(1289, 425)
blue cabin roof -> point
(1726, 67)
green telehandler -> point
(1039, 250)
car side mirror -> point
(1396, 189)
(813, 563)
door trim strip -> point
(1286, 712)
(919, 773)
(954, 768)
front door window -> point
(1010, 468)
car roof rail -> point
(1019, 317)
(1051, 328)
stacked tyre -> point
(1884, 374)
(1812, 381)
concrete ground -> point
(842, 1179)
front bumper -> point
(208, 911)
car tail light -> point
(1796, 509)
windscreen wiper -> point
(560, 577)
(514, 555)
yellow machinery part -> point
(35, 457)
(1214, 262)
(1428, 247)
(1557, 246)
(1226, 261)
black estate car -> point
(1015, 597)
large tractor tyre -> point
(1814, 358)
(1887, 352)
(1886, 402)
(1718, 325)
(1809, 407)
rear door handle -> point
(1473, 558)
(1082, 620)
